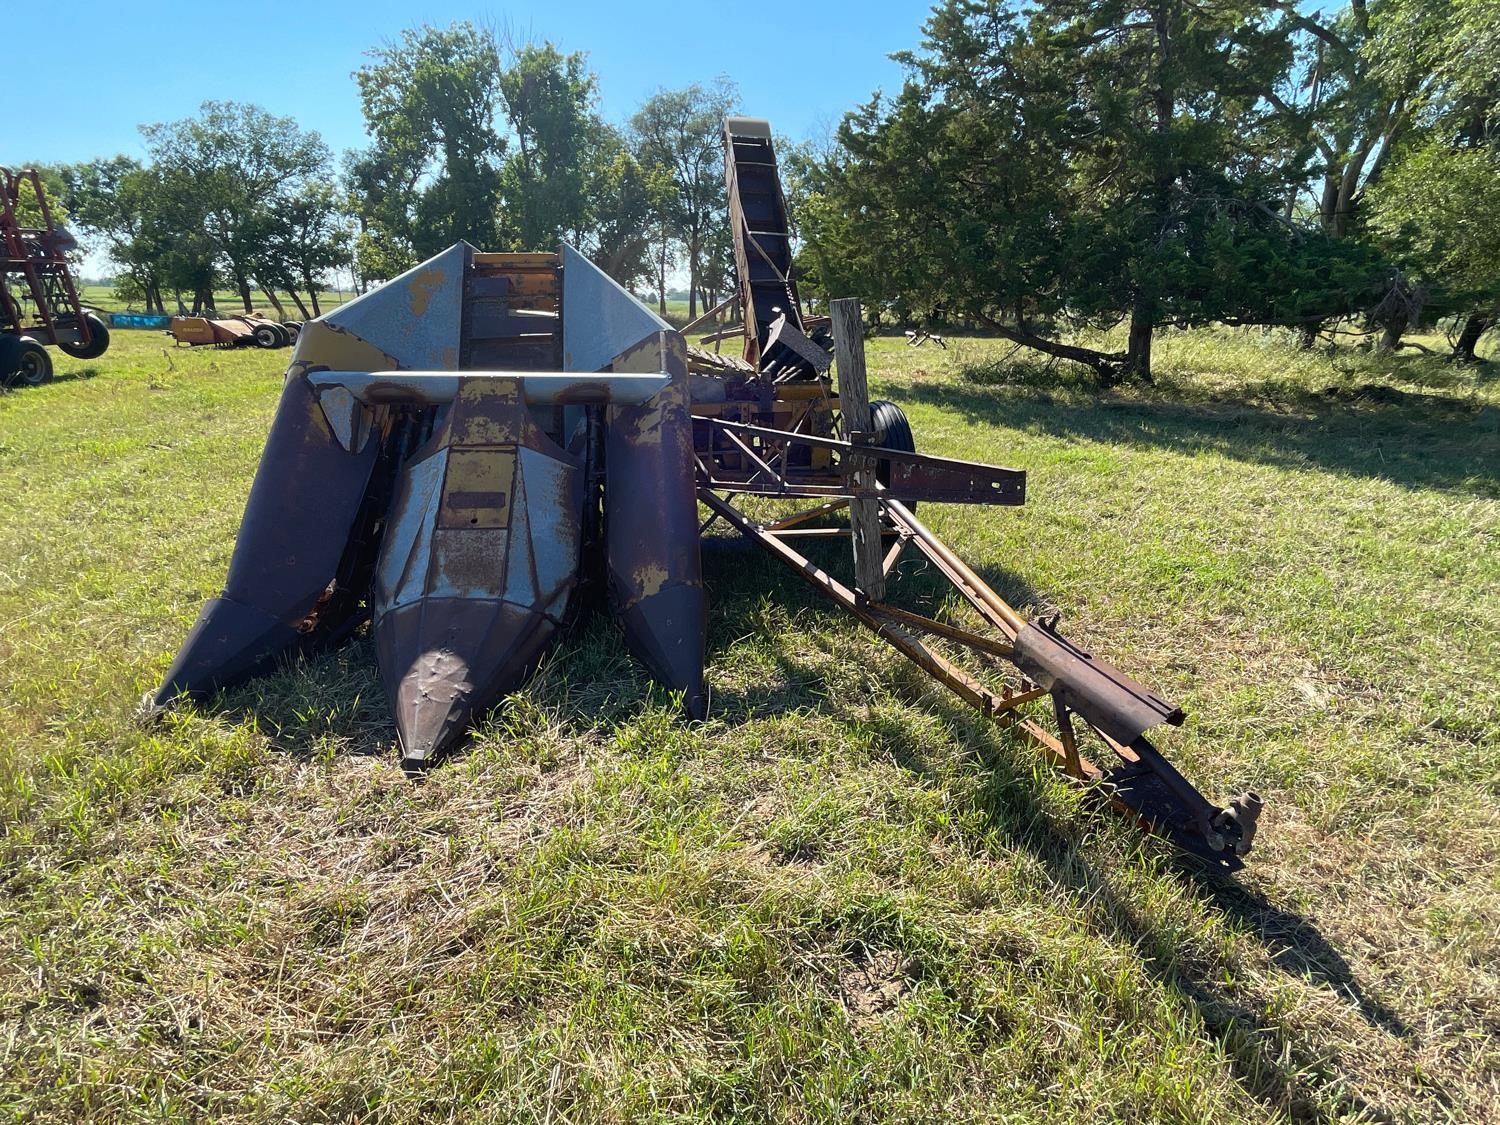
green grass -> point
(839, 899)
(104, 297)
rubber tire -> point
(293, 329)
(285, 333)
(892, 431)
(23, 362)
(267, 336)
(98, 343)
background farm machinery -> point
(462, 456)
(213, 330)
(39, 303)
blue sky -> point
(123, 64)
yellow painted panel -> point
(477, 490)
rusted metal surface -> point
(416, 315)
(1099, 693)
(437, 388)
(297, 525)
(761, 230)
(454, 503)
(1072, 684)
(767, 462)
(477, 568)
(37, 259)
(651, 526)
(202, 331)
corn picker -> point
(463, 454)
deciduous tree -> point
(228, 172)
(678, 132)
(432, 173)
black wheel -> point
(284, 333)
(267, 336)
(293, 328)
(23, 362)
(98, 339)
(892, 431)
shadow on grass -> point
(333, 703)
(78, 376)
(1377, 431)
(325, 703)
(1294, 945)
(1272, 1064)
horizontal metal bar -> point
(913, 476)
(806, 514)
(938, 628)
(377, 388)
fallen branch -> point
(1107, 364)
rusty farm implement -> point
(461, 452)
(39, 302)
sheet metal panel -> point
(601, 320)
(415, 317)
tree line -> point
(1070, 165)
(470, 137)
(1045, 170)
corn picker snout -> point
(462, 454)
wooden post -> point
(854, 406)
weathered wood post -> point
(854, 406)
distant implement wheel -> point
(267, 336)
(283, 333)
(98, 339)
(293, 328)
(23, 362)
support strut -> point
(1078, 689)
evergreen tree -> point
(1080, 164)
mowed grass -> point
(841, 898)
(225, 300)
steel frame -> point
(994, 667)
(36, 254)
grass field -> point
(104, 297)
(838, 899)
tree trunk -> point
(1138, 352)
(1343, 207)
(1164, 100)
(661, 276)
(244, 287)
(203, 298)
(312, 293)
(1475, 326)
(297, 300)
(1390, 337)
(693, 251)
(275, 303)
